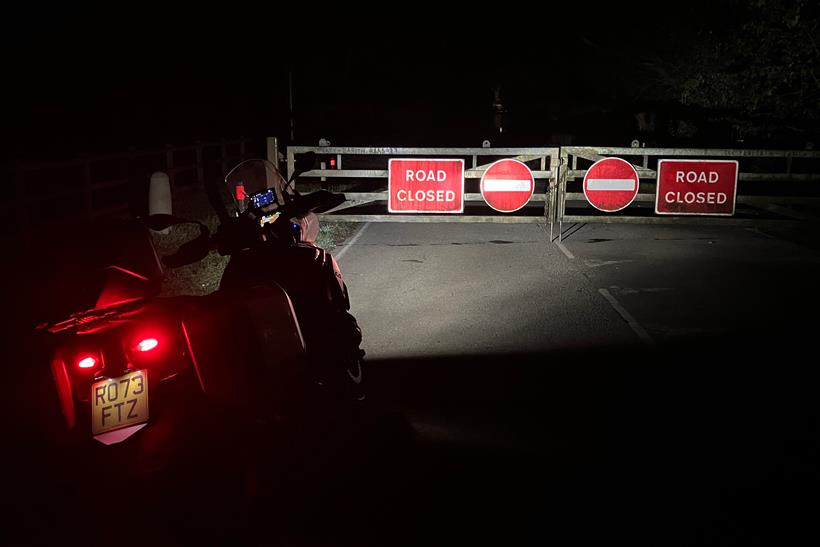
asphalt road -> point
(679, 282)
(457, 289)
(644, 384)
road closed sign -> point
(425, 186)
(696, 187)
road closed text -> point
(429, 195)
(426, 186)
(696, 187)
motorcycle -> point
(200, 395)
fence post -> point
(563, 168)
(552, 183)
(273, 151)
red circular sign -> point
(507, 185)
(611, 184)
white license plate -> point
(119, 402)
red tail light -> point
(87, 362)
(147, 344)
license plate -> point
(119, 402)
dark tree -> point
(755, 67)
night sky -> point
(415, 76)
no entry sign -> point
(507, 185)
(611, 184)
(425, 186)
(696, 187)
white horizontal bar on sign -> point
(533, 199)
(616, 185)
(507, 185)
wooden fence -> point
(114, 184)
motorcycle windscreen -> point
(249, 179)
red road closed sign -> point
(696, 187)
(507, 185)
(611, 184)
(425, 186)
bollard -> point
(159, 196)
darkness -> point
(665, 447)
(86, 82)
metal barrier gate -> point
(363, 171)
(765, 197)
(772, 184)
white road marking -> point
(634, 325)
(614, 185)
(352, 242)
(565, 251)
(507, 185)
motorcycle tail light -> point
(156, 346)
(88, 362)
(147, 344)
